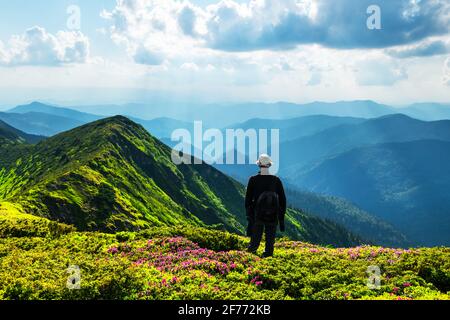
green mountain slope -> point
(112, 175)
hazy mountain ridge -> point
(9, 134)
(406, 184)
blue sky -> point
(220, 51)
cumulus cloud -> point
(143, 55)
(340, 24)
(426, 49)
(275, 24)
(38, 47)
(155, 30)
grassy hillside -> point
(111, 175)
(198, 263)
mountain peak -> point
(118, 120)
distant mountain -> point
(9, 134)
(291, 129)
(163, 127)
(228, 114)
(300, 154)
(343, 212)
(37, 123)
(296, 154)
(50, 120)
(81, 117)
(224, 115)
(405, 184)
(427, 111)
(112, 175)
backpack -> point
(267, 207)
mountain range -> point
(405, 184)
(46, 120)
(341, 138)
(227, 115)
(341, 161)
(224, 115)
(112, 175)
(356, 192)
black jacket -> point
(259, 184)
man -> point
(265, 203)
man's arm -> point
(249, 201)
(282, 199)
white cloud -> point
(425, 48)
(189, 66)
(156, 30)
(38, 47)
(446, 71)
(379, 71)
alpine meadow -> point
(213, 159)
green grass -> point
(198, 263)
(15, 223)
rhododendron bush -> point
(165, 263)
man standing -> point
(265, 203)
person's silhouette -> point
(265, 203)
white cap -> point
(264, 161)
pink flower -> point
(395, 289)
(164, 282)
(113, 250)
(407, 284)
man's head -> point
(264, 161)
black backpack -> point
(267, 207)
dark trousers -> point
(257, 231)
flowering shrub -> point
(161, 264)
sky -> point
(107, 51)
